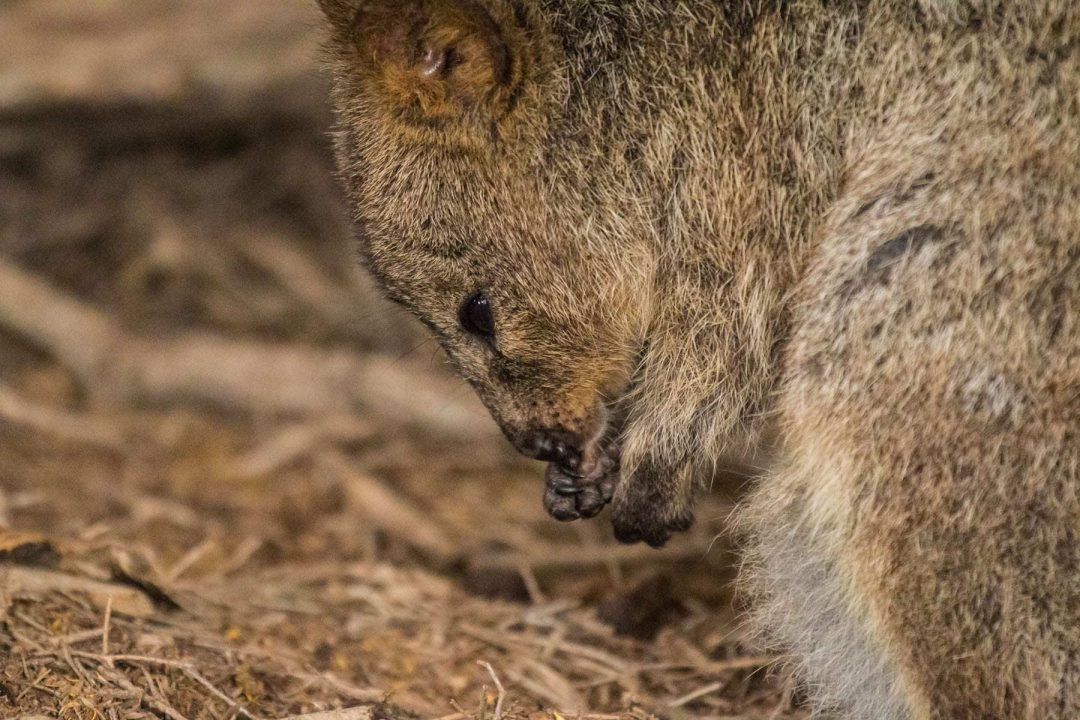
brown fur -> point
(843, 237)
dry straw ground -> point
(233, 483)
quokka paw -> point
(568, 497)
(648, 515)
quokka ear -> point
(438, 58)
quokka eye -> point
(475, 316)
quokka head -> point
(486, 205)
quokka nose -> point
(556, 446)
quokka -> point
(841, 237)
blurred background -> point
(233, 481)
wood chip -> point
(33, 583)
(391, 512)
(25, 548)
(356, 713)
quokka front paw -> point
(649, 508)
(572, 496)
(567, 497)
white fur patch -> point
(805, 603)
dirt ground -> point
(233, 481)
